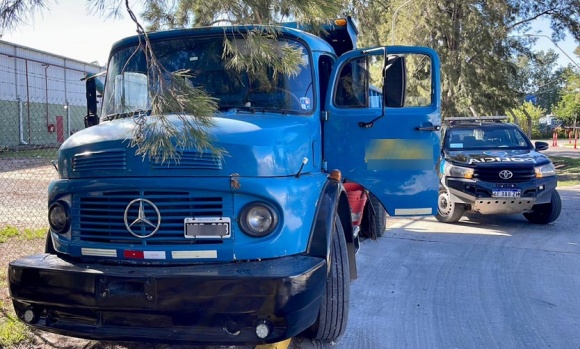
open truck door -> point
(382, 125)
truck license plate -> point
(506, 193)
(207, 227)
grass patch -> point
(8, 232)
(40, 153)
(567, 169)
(12, 331)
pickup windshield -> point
(486, 137)
(128, 90)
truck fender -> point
(332, 203)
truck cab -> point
(254, 246)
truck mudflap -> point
(205, 304)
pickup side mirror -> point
(394, 82)
(541, 145)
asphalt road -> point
(563, 148)
(484, 282)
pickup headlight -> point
(545, 170)
(258, 219)
(457, 171)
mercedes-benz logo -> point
(144, 223)
(505, 174)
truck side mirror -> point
(394, 82)
(91, 119)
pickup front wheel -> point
(448, 211)
(545, 213)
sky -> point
(68, 30)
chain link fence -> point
(31, 132)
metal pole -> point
(20, 121)
(575, 132)
(67, 120)
(46, 92)
(559, 48)
(27, 98)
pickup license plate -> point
(207, 227)
(506, 193)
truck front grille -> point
(190, 160)
(101, 215)
(520, 174)
(114, 159)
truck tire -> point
(448, 211)
(545, 213)
(374, 221)
(333, 313)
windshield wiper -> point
(283, 111)
(237, 108)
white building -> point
(42, 97)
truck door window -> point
(353, 82)
(419, 81)
(360, 82)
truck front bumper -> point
(209, 304)
(478, 194)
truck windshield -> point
(487, 137)
(128, 91)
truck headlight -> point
(545, 170)
(457, 171)
(59, 217)
(258, 219)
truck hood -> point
(255, 145)
(490, 158)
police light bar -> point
(477, 118)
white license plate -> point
(506, 193)
(207, 227)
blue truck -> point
(253, 247)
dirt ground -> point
(24, 185)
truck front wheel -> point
(333, 313)
(545, 213)
(448, 211)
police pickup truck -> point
(490, 166)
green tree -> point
(538, 79)
(568, 108)
(474, 40)
(534, 112)
(16, 12)
(163, 14)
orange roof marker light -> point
(340, 22)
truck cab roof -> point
(337, 37)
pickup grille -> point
(520, 174)
(101, 215)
